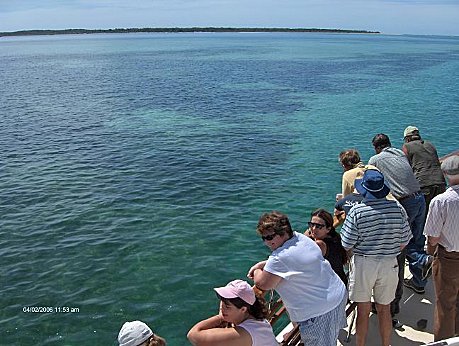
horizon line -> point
(178, 29)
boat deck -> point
(416, 317)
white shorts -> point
(370, 275)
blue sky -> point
(435, 17)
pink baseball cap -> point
(237, 289)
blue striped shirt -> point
(376, 228)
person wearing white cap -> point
(442, 231)
(137, 333)
(423, 158)
(241, 311)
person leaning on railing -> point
(321, 230)
(241, 320)
(314, 296)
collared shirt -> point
(397, 171)
(347, 185)
(443, 218)
(376, 228)
(310, 287)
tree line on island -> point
(177, 30)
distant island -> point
(177, 30)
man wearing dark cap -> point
(442, 231)
(423, 158)
(376, 230)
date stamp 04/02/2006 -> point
(50, 309)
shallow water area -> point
(134, 167)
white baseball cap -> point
(134, 333)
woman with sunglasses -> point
(312, 293)
(321, 230)
(240, 322)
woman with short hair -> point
(312, 293)
(353, 169)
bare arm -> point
(402, 246)
(209, 333)
(338, 218)
(405, 150)
(432, 243)
(349, 252)
(259, 265)
(308, 233)
(265, 280)
(323, 246)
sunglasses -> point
(318, 225)
(268, 237)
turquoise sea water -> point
(133, 168)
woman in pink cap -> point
(240, 322)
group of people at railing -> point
(382, 208)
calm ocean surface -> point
(133, 168)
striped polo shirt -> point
(443, 219)
(376, 228)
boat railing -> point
(277, 312)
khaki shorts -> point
(370, 275)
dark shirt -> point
(334, 255)
(347, 202)
(423, 158)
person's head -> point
(381, 141)
(411, 133)
(450, 168)
(349, 158)
(238, 301)
(274, 228)
(372, 185)
(321, 224)
(137, 333)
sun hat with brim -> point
(237, 289)
(372, 185)
(450, 165)
(134, 333)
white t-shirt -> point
(309, 287)
(261, 332)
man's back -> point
(397, 171)
(376, 228)
(423, 158)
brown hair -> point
(349, 158)
(258, 310)
(276, 222)
(154, 340)
(326, 216)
